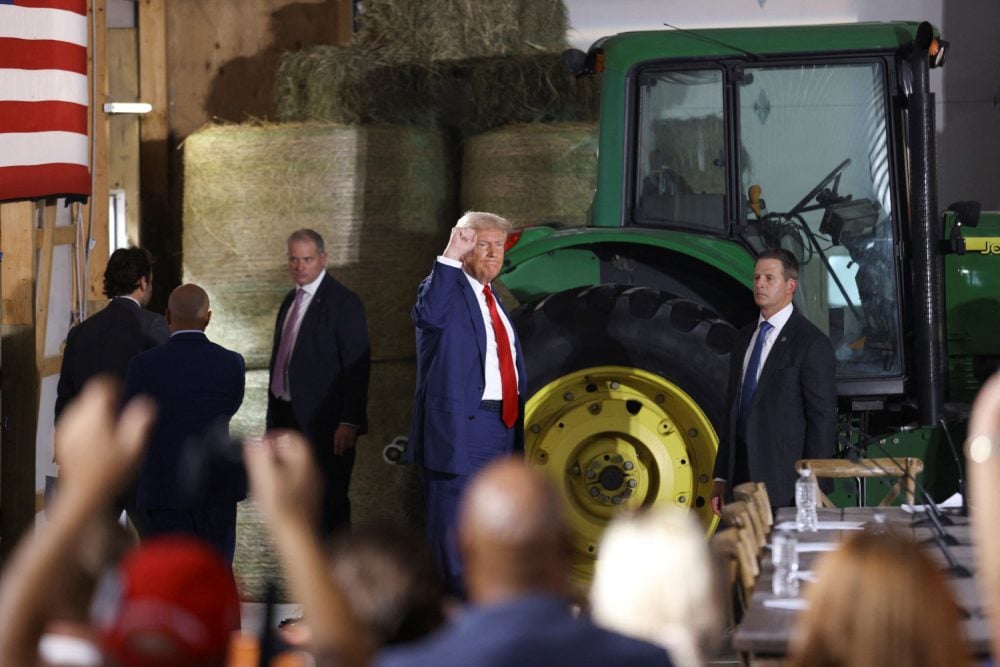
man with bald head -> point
(514, 543)
(198, 386)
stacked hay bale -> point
(382, 197)
(364, 156)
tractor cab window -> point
(681, 160)
(815, 179)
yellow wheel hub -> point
(617, 438)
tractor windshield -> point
(813, 176)
(815, 179)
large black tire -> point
(600, 360)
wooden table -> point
(763, 635)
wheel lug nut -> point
(632, 484)
(594, 491)
(628, 465)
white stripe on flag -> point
(43, 85)
(31, 23)
(19, 149)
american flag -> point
(43, 98)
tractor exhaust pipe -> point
(931, 372)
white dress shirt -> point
(292, 328)
(778, 321)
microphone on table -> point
(939, 535)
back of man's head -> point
(512, 534)
(188, 308)
(125, 267)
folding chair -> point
(903, 470)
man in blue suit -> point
(198, 386)
(468, 406)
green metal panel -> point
(625, 51)
(972, 299)
(547, 263)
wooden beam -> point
(123, 158)
(98, 209)
(17, 270)
(157, 229)
(61, 235)
(44, 280)
(50, 366)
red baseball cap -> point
(176, 604)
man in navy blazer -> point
(319, 370)
(789, 409)
(108, 339)
(468, 405)
(516, 544)
(198, 387)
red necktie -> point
(508, 378)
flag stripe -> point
(57, 24)
(44, 98)
(43, 181)
(43, 84)
(42, 116)
(75, 6)
(42, 54)
(33, 148)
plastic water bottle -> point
(785, 558)
(805, 501)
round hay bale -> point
(455, 29)
(354, 85)
(533, 88)
(381, 196)
(532, 174)
(380, 493)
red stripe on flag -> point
(45, 180)
(75, 6)
(42, 54)
(43, 117)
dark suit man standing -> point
(106, 341)
(782, 390)
(320, 364)
(198, 387)
(467, 410)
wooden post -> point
(155, 231)
(19, 379)
(97, 219)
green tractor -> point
(713, 146)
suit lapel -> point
(475, 314)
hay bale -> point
(381, 196)
(356, 85)
(455, 29)
(532, 174)
(527, 89)
(380, 493)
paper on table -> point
(825, 525)
(806, 575)
(954, 501)
(794, 604)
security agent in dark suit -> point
(320, 365)
(198, 387)
(107, 340)
(782, 390)
(468, 404)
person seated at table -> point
(665, 549)
(879, 600)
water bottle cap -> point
(805, 471)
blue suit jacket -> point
(451, 353)
(527, 631)
(196, 385)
